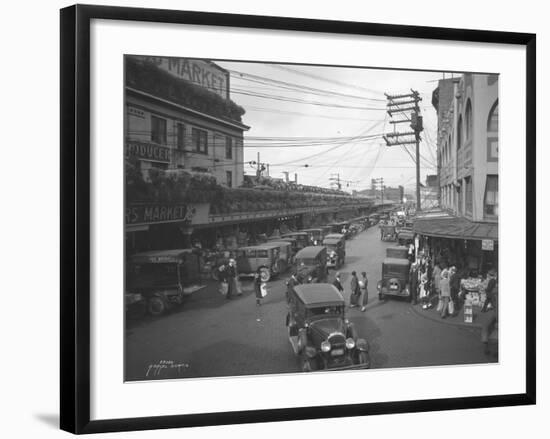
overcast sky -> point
(326, 121)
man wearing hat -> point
(338, 283)
(230, 275)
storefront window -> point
(468, 195)
(229, 178)
(491, 197)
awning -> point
(448, 226)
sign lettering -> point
(147, 151)
(199, 72)
(165, 213)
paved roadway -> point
(211, 336)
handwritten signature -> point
(157, 369)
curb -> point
(434, 316)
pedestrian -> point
(411, 253)
(437, 283)
(445, 292)
(230, 275)
(423, 288)
(363, 284)
(258, 287)
(290, 283)
(338, 283)
(414, 283)
(490, 291)
(355, 291)
(454, 282)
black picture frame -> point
(75, 217)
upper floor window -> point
(492, 133)
(469, 122)
(200, 140)
(459, 133)
(228, 148)
(158, 130)
(490, 208)
(181, 136)
(468, 195)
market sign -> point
(166, 213)
(203, 73)
(147, 151)
(487, 244)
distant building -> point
(179, 116)
(391, 194)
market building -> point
(184, 158)
(465, 230)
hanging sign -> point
(487, 244)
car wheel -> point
(265, 275)
(156, 306)
(308, 365)
(364, 359)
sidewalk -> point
(479, 319)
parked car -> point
(374, 218)
(315, 235)
(319, 332)
(293, 245)
(157, 278)
(395, 279)
(336, 250)
(399, 252)
(266, 258)
(302, 239)
(388, 233)
(405, 237)
(311, 264)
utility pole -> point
(335, 180)
(401, 105)
(375, 182)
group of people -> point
(439, 285)
(359, 291)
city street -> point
(210, 336)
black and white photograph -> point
(301, 218)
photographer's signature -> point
(155, 370)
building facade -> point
(468, 146)
(464, 231)
(179, 116)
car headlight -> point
(325, 346)
(309, 279)
(350, 343)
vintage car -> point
(302, 239)
(266, 258)
(311, 264)
(315, 235)
(336, 250)
(399, 252)
(388, 233)
(374, 218)
(156, 279)
(405, 237)
(319, 332)
(293, 245)
(395, 279)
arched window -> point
(468, 116)
(492, 133)
(459, 133)
(449, 148)
(492, 121)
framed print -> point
(260, 214)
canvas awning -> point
(448, 226)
